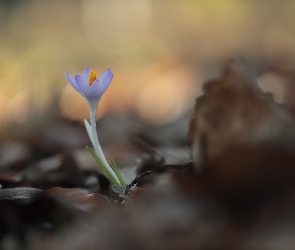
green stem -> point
(108, 174)
(97, 147)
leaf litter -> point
(236, 191)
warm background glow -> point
(160, 52)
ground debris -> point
(237, 191)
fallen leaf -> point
(233, 110)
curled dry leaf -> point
(233, 110)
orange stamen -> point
(92, 77)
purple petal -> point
(72, 81)
(98, 88)
(92, 95)
(85, 74)
(106, 77)
(82, 85)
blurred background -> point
(160, 52)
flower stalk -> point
(97, 147)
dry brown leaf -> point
(233, 110)
(78, 198)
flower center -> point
(92, 77)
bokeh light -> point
(160, 52)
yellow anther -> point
(92, 77)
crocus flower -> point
(90, 86)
